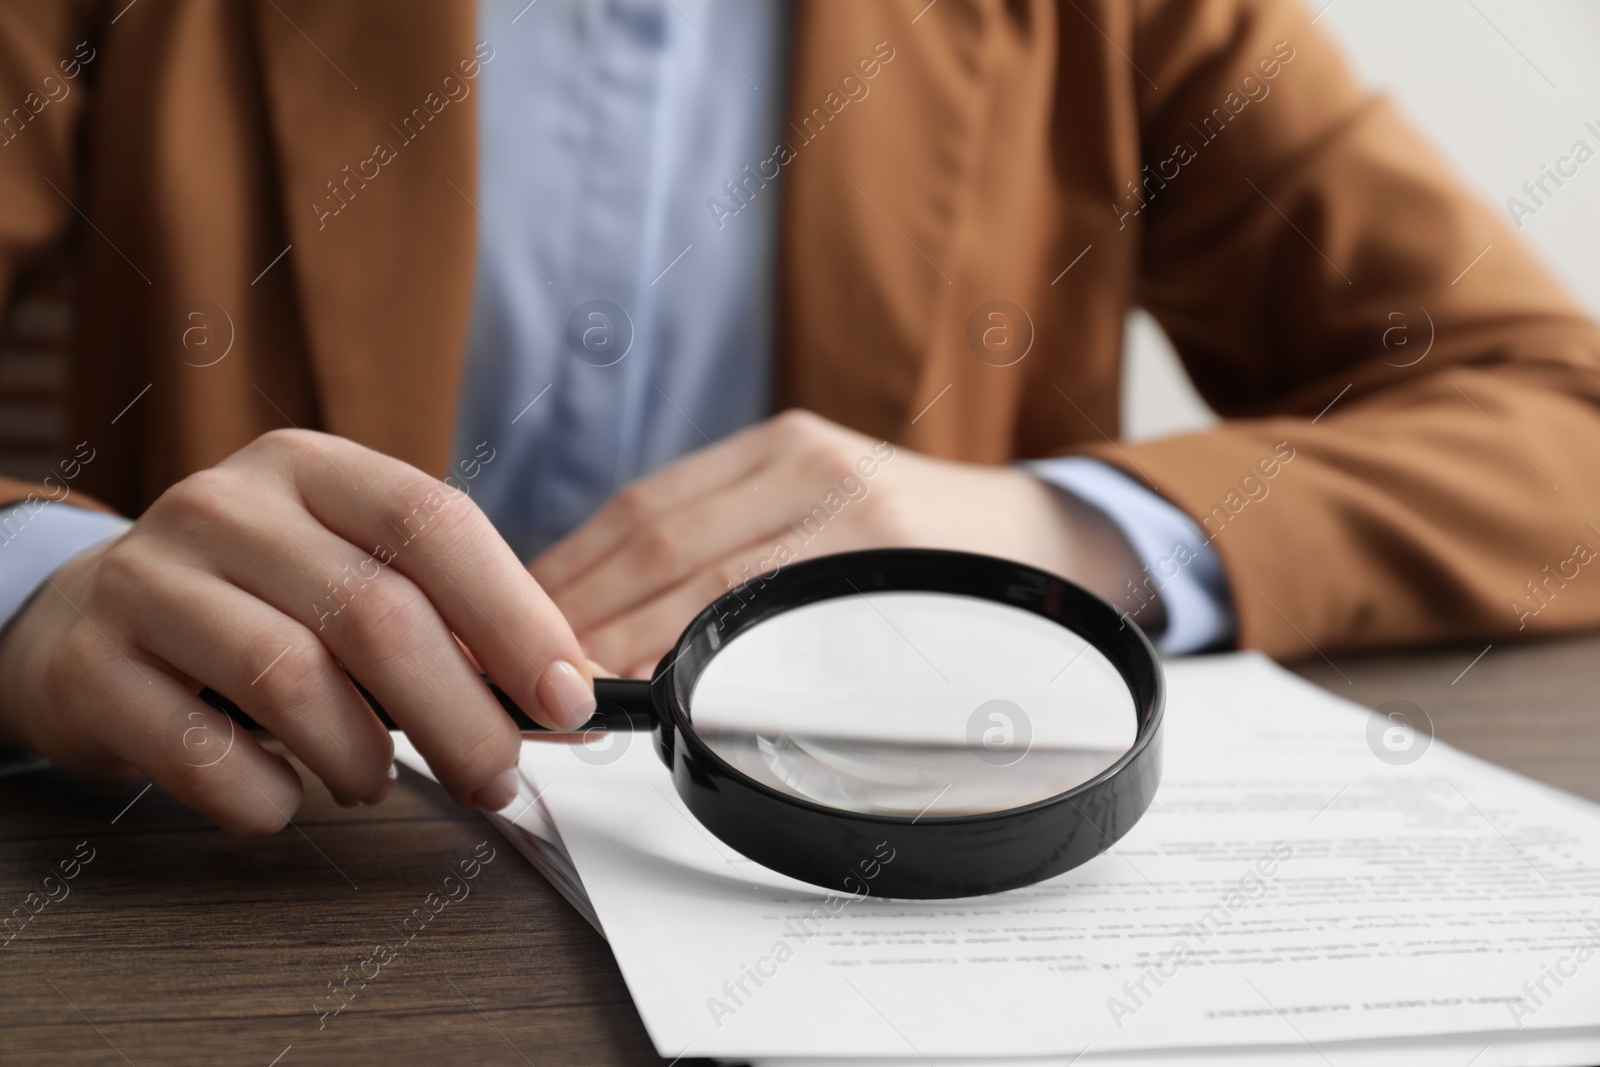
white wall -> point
(1501, 87)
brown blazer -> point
(1283, 218)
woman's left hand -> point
(794, 487)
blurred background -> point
(1500, 86)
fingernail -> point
(498, 793)
(380, 794)
(566, 696)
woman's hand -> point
(266, 578)
(794, 487)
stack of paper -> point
(1290, 897)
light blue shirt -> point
(618, 322)
(605, 127)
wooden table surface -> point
(179, 945)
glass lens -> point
(911, 704)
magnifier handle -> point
(624, 704)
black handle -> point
(624, 704)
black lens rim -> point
(927, 858)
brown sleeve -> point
(1457, 458)
(48, 53)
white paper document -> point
(863, 667)
(1288, 886)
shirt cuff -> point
(37, 537)
(1179, 563)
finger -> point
(267, 663)
(739, 460)
(381, 628)
(189, 749)
(470, 657)
(636, 640)
(439, 539)
(663, 551)
(384, 630)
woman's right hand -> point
(266, 578)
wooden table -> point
(179, 945)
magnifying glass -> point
(939, 724)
